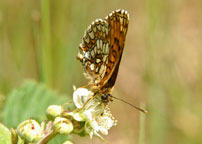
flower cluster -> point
(91, 117)
(97, 115)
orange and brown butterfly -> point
(101, 50)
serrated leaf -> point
(29, 101)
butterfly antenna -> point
(142, 110)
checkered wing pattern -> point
(102, 47)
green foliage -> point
(29, 101)
(5, 135)
(59, 139)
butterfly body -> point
(101, 50)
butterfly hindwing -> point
(102, 48)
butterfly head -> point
(106, 97)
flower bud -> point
(54, 111)
(30, 131)
(62, 125)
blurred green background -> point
(160, 68)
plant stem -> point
(48, 137)
(46, 43)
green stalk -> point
(46, 58)
(142, 126)
(156, 93)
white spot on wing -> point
(107, 48)
(91, 34)
(107, 31)
(98, 60)
(94, 29)
(96, 70)
(98, 43)
(92, 66)
(104, 58)
(103, 48)
(87, 55)
(99, 27)
(92, 53)
(95, 49)
(101, 69)
(87, 39)
(101, 44)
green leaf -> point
(29, 101)
(59, 139)
(5, 135)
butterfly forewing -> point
(118, 23)
(102, 48)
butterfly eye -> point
(104, 97)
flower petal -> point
(80, 96)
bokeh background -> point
(161, 67)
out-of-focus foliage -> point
(160, 67)
(29, 101)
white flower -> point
(95, 113)
(80, 96)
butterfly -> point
(101, 51)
